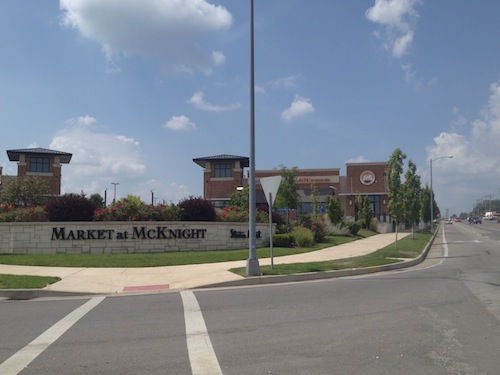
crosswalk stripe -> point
(15, 364)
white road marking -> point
(201, 352)
(445, 248)
(15, 364)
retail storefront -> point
(223, 174)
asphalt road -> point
(442, 317)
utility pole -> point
(114, 194)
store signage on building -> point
(314, 179)
(367, 177)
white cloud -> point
(198, 99)
(218, 58)
(397, 17)
(83, 121)
(299, 107)
(179, 123)
(171, 193)
(475, 166)
(286, 82)
(97, 156)
(411, 77)
(169, 30)
(358, 159)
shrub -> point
(283, 240)
(163, 212)
(70, 207)
(340, 229)
(111, 213)
(20, 214)
(302, 237)
(197, 209)
(318, 229)
(233, 214)
(131, 208)
(354, 227)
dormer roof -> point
(14, 155)
(244, 161)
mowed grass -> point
(26, 282)
(162, 259)
(407, 247)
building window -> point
(223, 170)
(220, 204)
(40, 165)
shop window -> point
(223, 170)
(220, 204)
(39, 165)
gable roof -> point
(14, 155)
(244, 161)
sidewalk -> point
(151, 279)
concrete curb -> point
(27, 294)
(275, 279)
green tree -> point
(395, 187)
(97, 199)
(314, 199)
(425, 207)
(240, 199)
(411, 196)
(27, 191)
(288, 197)
(365, 213)
(334, 209)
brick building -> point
(40, 163)
(223, 174)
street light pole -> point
(252, 267)
(432, 193)
(114, 191)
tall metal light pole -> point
(252, 268)
(114, 191)
(432, 193)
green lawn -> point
(26, 282)
(161, 259)
(407, 248)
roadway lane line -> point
(201, 352)
(445, 247)
(15, 364)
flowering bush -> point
(121, 212)
(26, 214)
(233, 214)
(112, 213)
(163, 212)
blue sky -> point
(137, 89)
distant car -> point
(475, 220)
(448, 221)
(458, 220)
